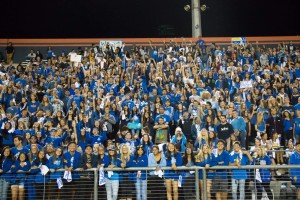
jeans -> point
(235, 184)
(112, 189)
(243, 136)
(141, 189)
(3, 188)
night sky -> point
(141, 18)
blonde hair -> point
(260, 118)
(205, 137)
(122, 156)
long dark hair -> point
(185, 156)
(39, 160)
(5, 131)
(136, 152)
(54, 157)
(2, 155)
(168, 157)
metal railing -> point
(251, 169)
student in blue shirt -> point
(18, 148)
(173, 159)
(140, 177)
(111, 177)
(296, 128)
(264, 178)
(188, 178)
(239, 158)
(206, 159)
(55, 163)
(6, 162)
(124, 160)
(295, 173)
(220, 180)
(71, 162)
(18, 179)
(39, 179)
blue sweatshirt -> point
(6, 165)
(244, 160)
(265, 174)
(56, 164)
(72, 161)
(222, 160)
(177, 159)
(211, 159)
(110, 161)
(295, 160)
(38, 177)
(239, 124)
(19, 177)
(140, 162)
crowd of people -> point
(180, 104)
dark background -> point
(141, 18)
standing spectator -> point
(239, 127)
(55, 163)
(111, 177)
(108, 120)
(296, 128)
(262, 176)
(71, 162)
(39, 179)
(295, 173)
(6, 162)
(173, 159)
(155, 181)
(19, 179)
(140, 177)
(220, 180)
(287, 128)
(18, 148)
(180, 139)
(10, 51)
(124, 160)
(239, 158)
(274, 123)
(225, 129)
(87, 161)
(205, 158)
(185, 123)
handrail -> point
(182, 168)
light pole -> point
(196, 19)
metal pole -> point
(204, 184)
(196, 19)
(197, 184)
(96, 184)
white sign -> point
(246, 84)
(112, 43)
(75, 58)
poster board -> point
(112, 43)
